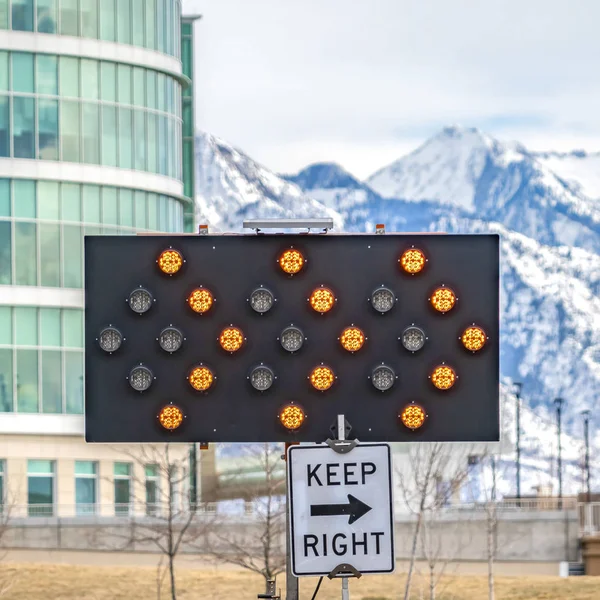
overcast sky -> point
(362, 82)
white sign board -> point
(341, 509)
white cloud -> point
(290, 82)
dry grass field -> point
(67, 582)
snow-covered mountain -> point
(468, 170)
(233, 187)
(550, 240)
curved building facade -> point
(96, 137)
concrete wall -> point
(536, 537)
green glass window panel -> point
(151, 470)
(50, 327)
(71, 202)
(40, 467)
(126, 208)
(26, 326)
(89, 18)
(91, 203)
(51, 381)
(85, 496)
(68, 69)
(122, 469)
(5, 210)
(186, 28)
(162, 212)
(50, 253)
(161, 22)
(70, 131)
(161, 82)
(152, 142)
(137, 7)
(4, 126)
(72, 256)
(125, 138)
(188, 168)
(4, 71)
(108, 20)
(153, 212)
(74, 382)
(151, 24)
(139, 87)
(69, 17)
(108, 73)
(188, 119)
(48, 129)
(86, 467)
(27, 381)
(170, 147)
(124, 21)
(47, 195)
(22, 15)
(22, 72)
(140, 210)
(162, 145)
(6, 380)
(47, 16)
(186, 62)
(5, 325)
(5, 253)
(90, 79)
(4, 14)
(47, 74)
(90, 230)
(72, 328)
(91, 133)
(140, 139)
(124, 84)
(109, 206)
(40, 496)
(24, 204)
(151, 89)
(25, 254)
(23, 127)
(109, 136)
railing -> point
(525, 504)
(589, 518)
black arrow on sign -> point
(355, 508)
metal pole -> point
(518, 387)
(559, 402)
(586, 435)
(194, 482)
(291, 582)
(345, 590)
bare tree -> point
(7, 510)
(171, 521)
(257, 543)
(432, 474)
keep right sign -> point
(341, 509)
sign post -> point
(341, 510)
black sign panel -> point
(443, 386)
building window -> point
(2, 486)
(122, 477)
(86, 488)
(152, 489)
(40, 488)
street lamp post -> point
(586, 435)
(559, 403)
(518, 387)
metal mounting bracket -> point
(340, 431)
(344, 570)
(259, 224)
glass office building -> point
(96, 137)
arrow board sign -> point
(341, 509)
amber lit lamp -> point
(352, 339)
(231, 339)
(443, 377)
(413, 416)
(322, 300)
(443, 299)
(170, 417)
(201, 300)
(291, 261)
(201, 378)
(473, 338)
(170, 261)
(322, 378)
(292, 417)
(412, 261)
